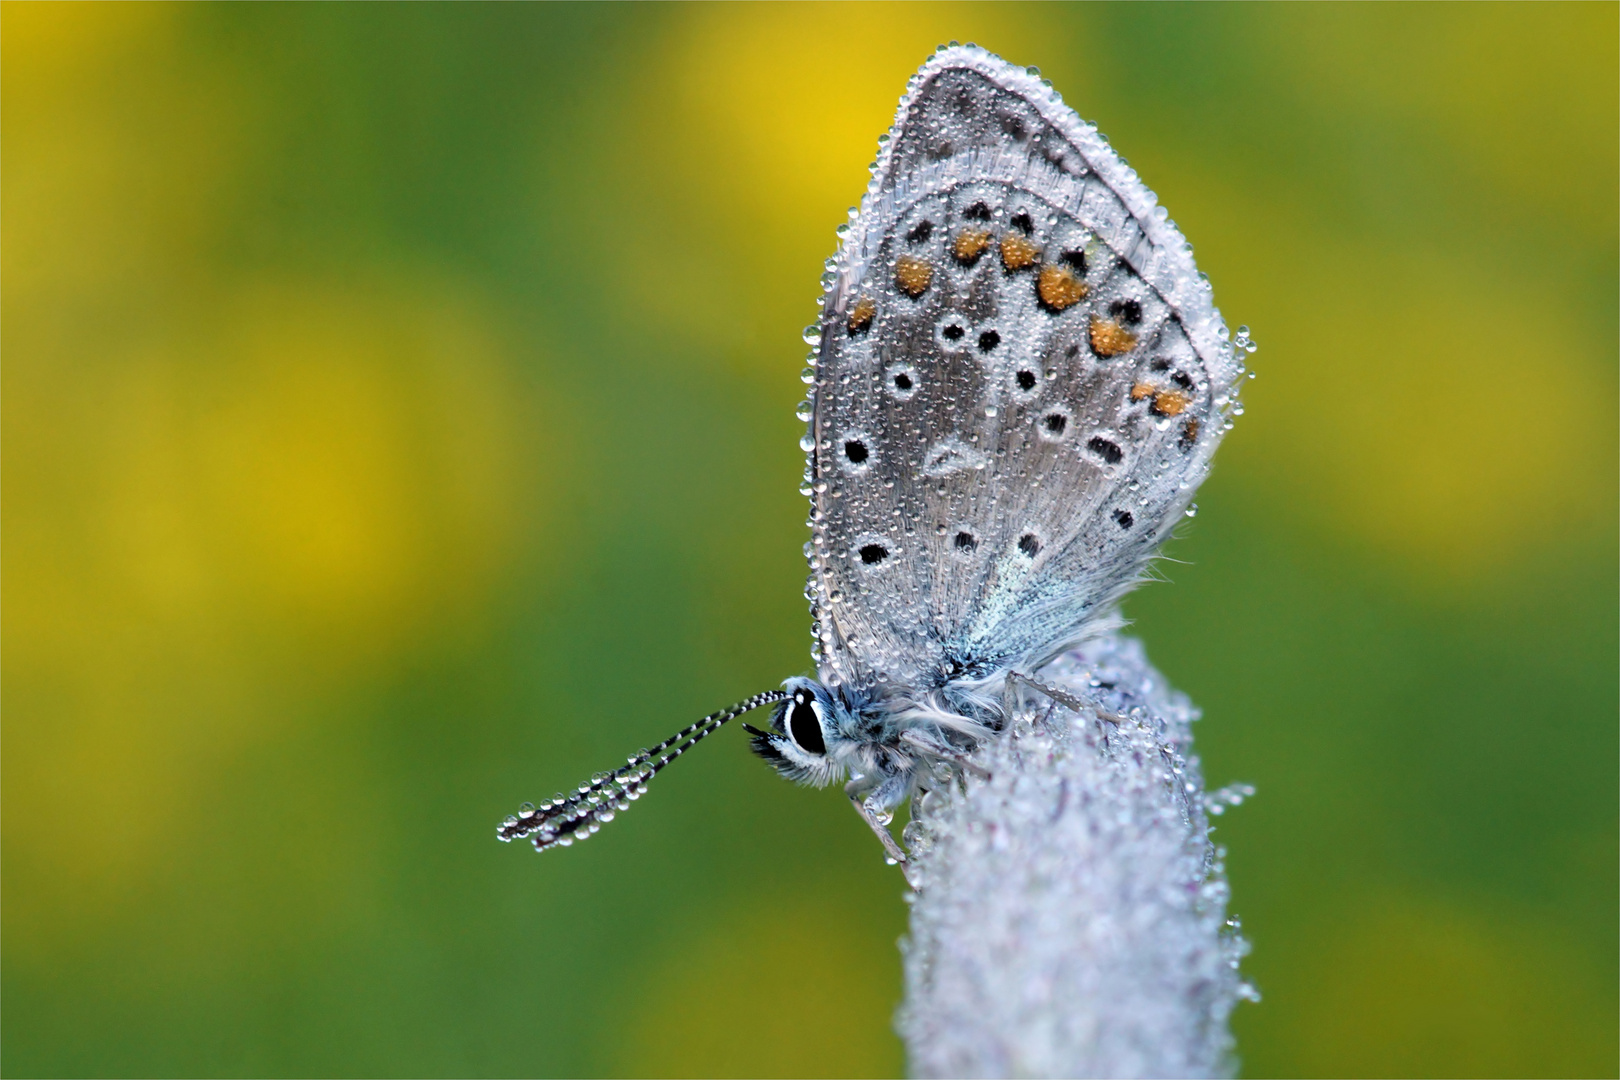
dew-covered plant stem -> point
(1069, 914)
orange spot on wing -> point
(1141, 390)
(1018, 253)
(1189, 430)
(1109, 338)
(969, 245)
(1170, 402)
(860, 318)
(912, 275)
(1058, 288)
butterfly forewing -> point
(1020, 382)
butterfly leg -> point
(875, 810)
(1067, 700)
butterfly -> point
(1017, 383)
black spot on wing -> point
(1128, 312)
(1108, 451)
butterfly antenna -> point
(566, 818)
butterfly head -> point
(808, 733)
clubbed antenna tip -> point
(567, 818)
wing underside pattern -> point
(1019, 383)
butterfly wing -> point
(1019, 383)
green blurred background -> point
(398, 425)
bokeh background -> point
(398, 425)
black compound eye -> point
(805, 727)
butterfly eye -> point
(804, 726)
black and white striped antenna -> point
(567, 818)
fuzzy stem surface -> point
(1069, 912)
